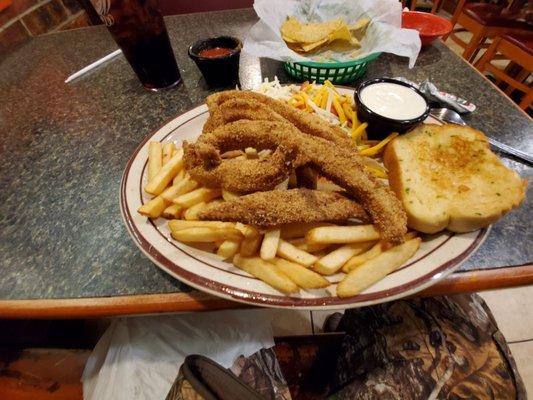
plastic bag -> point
(138, 358)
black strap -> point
(214, 382)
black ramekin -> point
(379, 126)
(218, 71)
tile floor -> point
(514, 315)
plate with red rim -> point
(197, 266)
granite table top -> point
(63, 149)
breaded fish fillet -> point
(340, 165)
(310, 124)
(277, 207)
(204, 163)
(236, 109)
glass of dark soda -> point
(139, 30)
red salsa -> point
(215, 52)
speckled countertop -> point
(63, 148)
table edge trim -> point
(93, 307)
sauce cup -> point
(389, 108)
(218, 70)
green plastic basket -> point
(342, 72)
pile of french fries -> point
(290, 257)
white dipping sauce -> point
(393, 101)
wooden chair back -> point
(515, 54)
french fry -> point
(168, 150)
(165, 174)
(251, 153)
(186, 185)
(191, 214)
(180, 175)
(206, 234)
(247, 230)
(179, 224)
(310, 248)
(297, 230)
(196, 196)
(231, 154)
(252, 239)
(267, 272)
(327, 186)
(228, 196)
(282, 185)
(269, 246)
(292, 253)
(320, 254)
(250, 246)
(332, 262)
(342, 234)
(357, 260)
(410, 235)
(303, 277)
(172, 211)
(155, 159)
(228, 248)
(372, 271)
(153, 208)
(264, 153)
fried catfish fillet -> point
(277, 207)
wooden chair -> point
(484, 20)
(519, 49)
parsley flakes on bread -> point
(447, 178)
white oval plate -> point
(438, 256)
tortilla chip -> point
(304, 38)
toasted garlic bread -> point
(447, 178)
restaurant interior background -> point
(44, 358)
(20, 20)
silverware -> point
(447, 115)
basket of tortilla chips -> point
(321, 39)
(333, 40)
